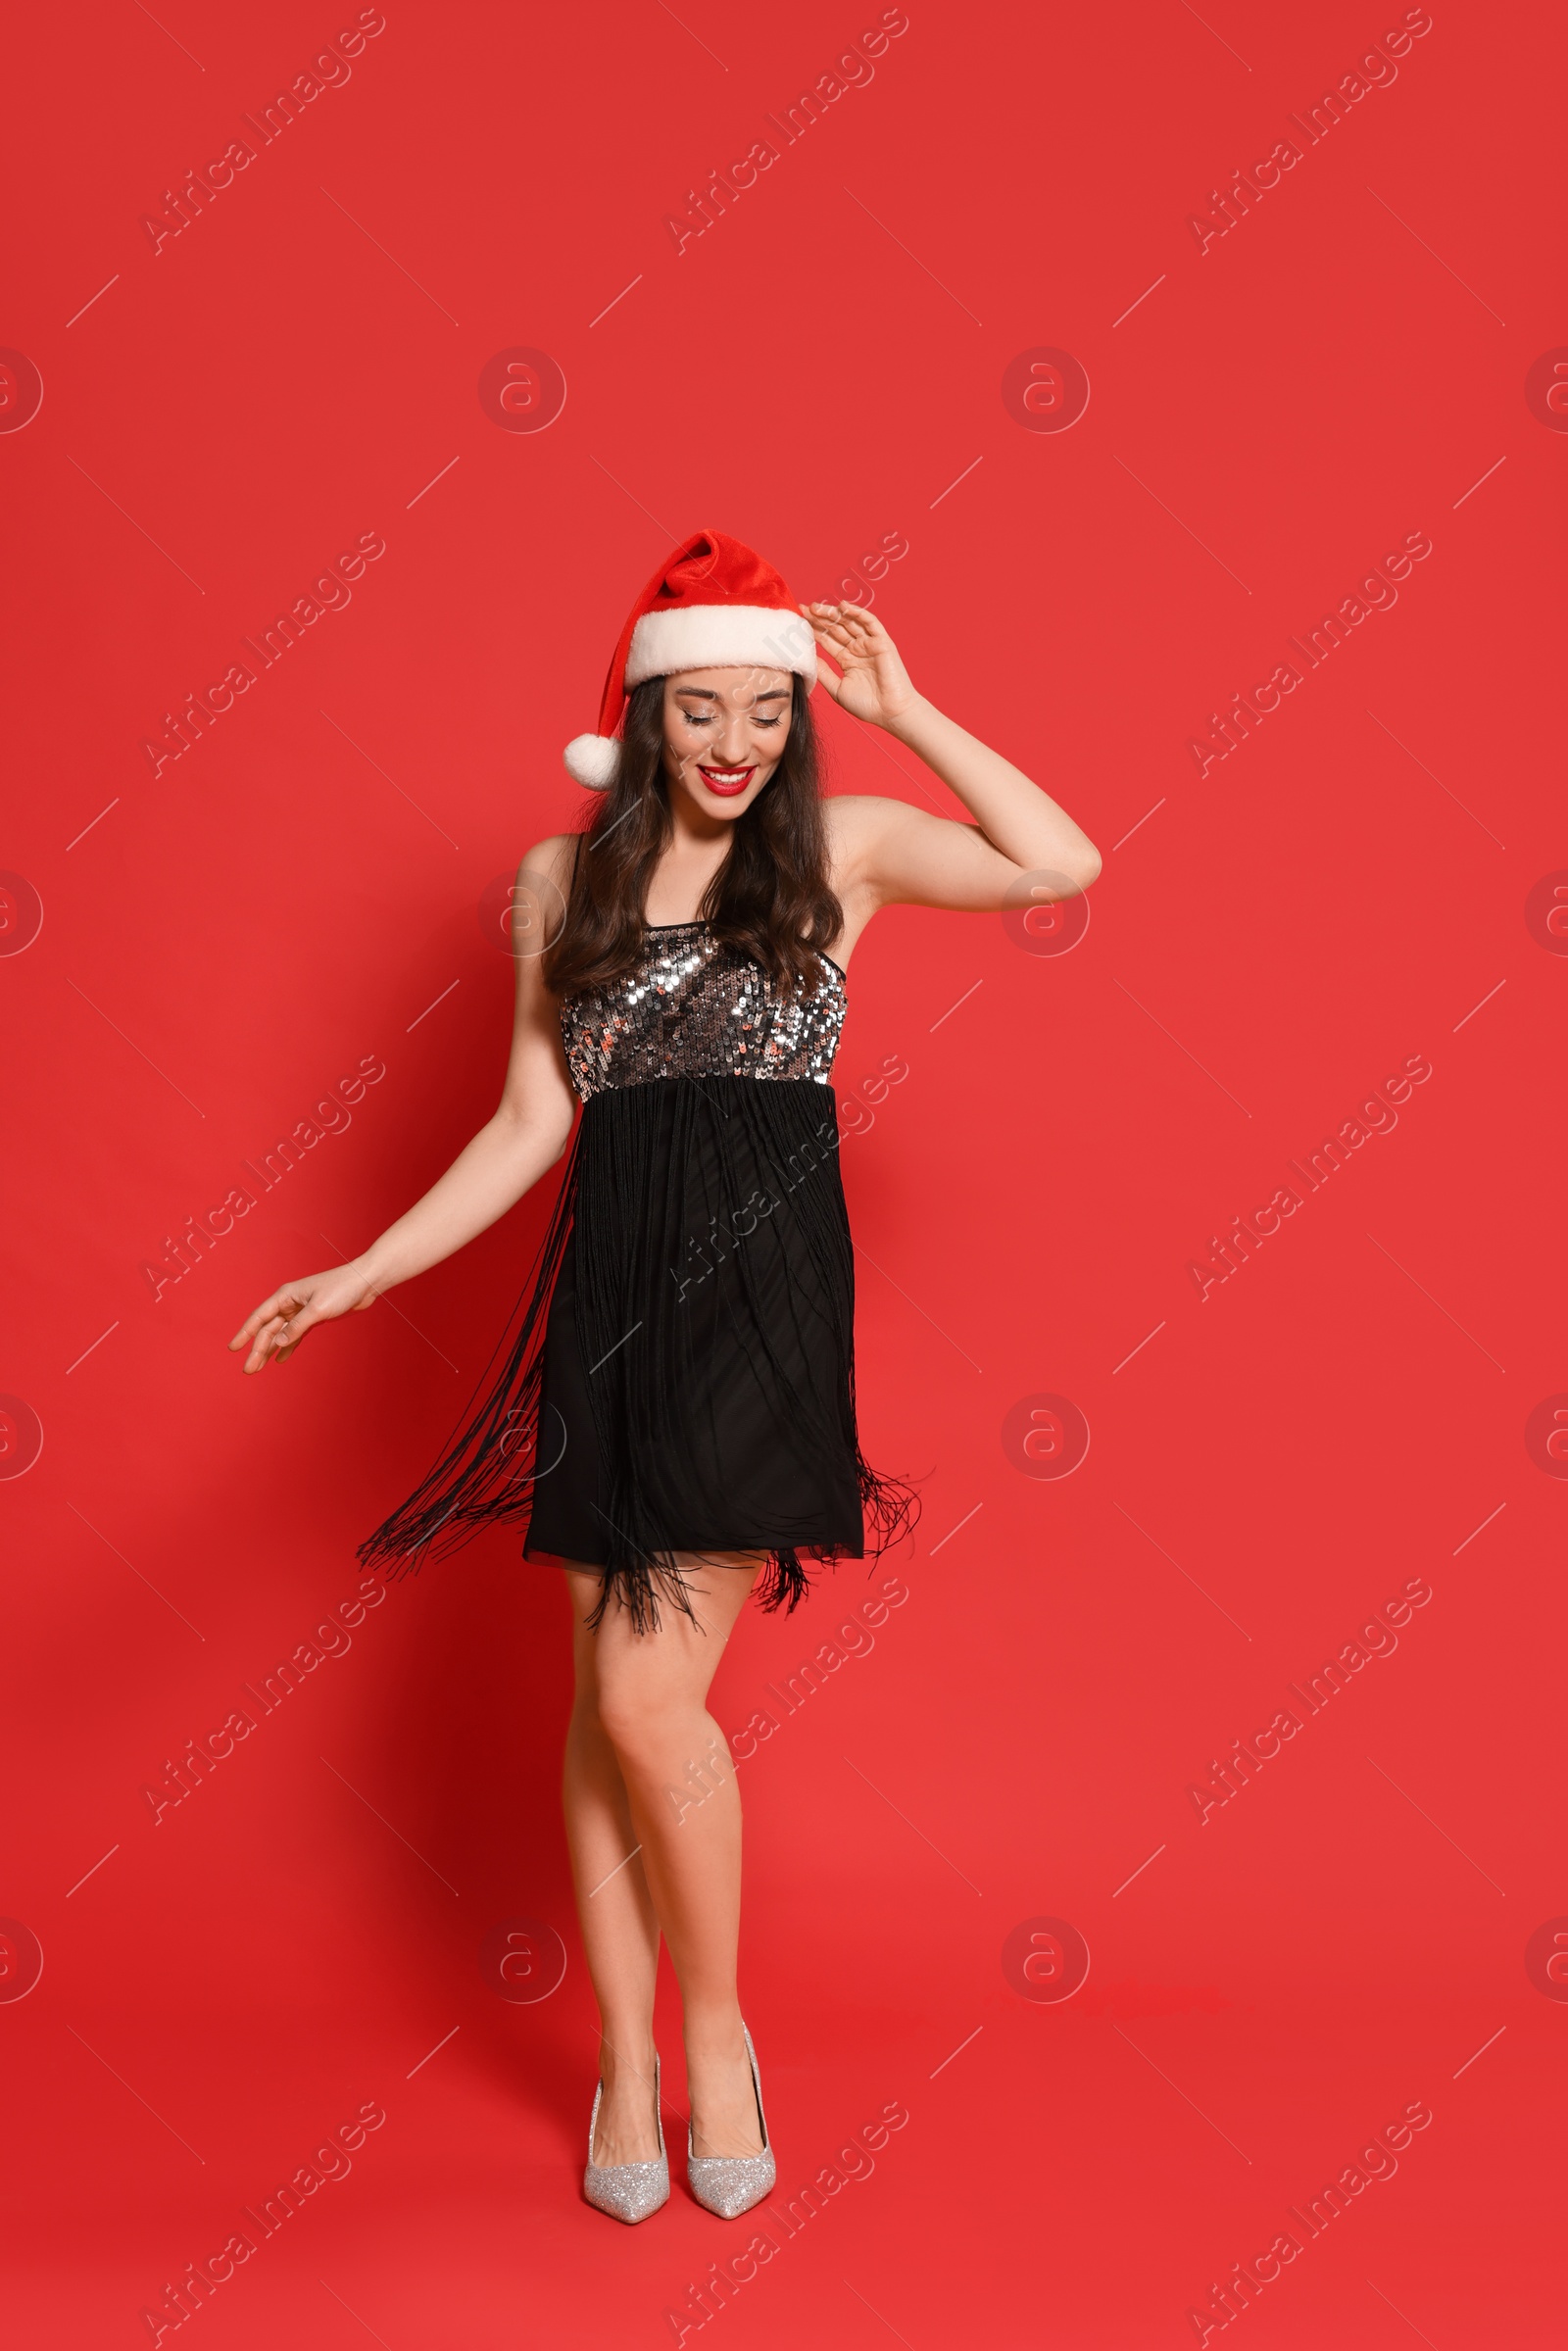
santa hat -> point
(712, 605)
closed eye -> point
(697, 718)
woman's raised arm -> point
(904, 855)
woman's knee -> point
(641, 1723)
(626, 1714)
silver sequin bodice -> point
(694, 1008)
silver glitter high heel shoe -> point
(730, 2184)
(628, 2192)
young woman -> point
(676, 1412)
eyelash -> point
(696, 718)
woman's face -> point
(724, 730)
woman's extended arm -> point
(511, 1151)
(904, 855)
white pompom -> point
(593, 760)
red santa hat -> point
(712, 605)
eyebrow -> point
(773, 694)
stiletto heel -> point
(730, 2184)
(628, 2192)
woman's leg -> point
(619, 1929)
(683, 1810)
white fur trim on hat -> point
(593, 760)
(720, 636)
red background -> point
(224, 940)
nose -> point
(733, 748)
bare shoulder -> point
(546, 871)
(549, 859)
(538, 911)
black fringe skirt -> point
(680, 1374)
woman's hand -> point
(1019, 840)
(872, 681)
(281, 1321)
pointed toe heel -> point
(628, 2192)
(729, 2185)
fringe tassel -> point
(488, 1470)
(658, 1174)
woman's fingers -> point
(866, 630)
(281, 1336)
(293, 1332)
(267, 1341)
(833, 635)
(264, 1313)
(281, 1322)
(826, 623)
(853, 616)
(867, 656)
(283, 1312)
(848, 642)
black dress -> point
(680, 1374)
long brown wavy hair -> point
(770, 898)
